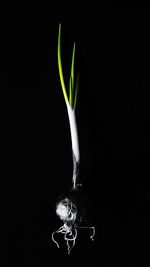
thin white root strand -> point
(89, 227)
(54, 239)
(67, 230)
(93, 228)
(71, 239)
(61, 230)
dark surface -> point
(113, 122)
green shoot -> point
(73, 87)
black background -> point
(113, 122)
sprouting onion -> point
(71, 207)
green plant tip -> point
(73, 86)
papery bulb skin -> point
(82, 206)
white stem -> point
(74, 132)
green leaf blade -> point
(72, 64)
(60, 66)
(76, 91)
(70, 92)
